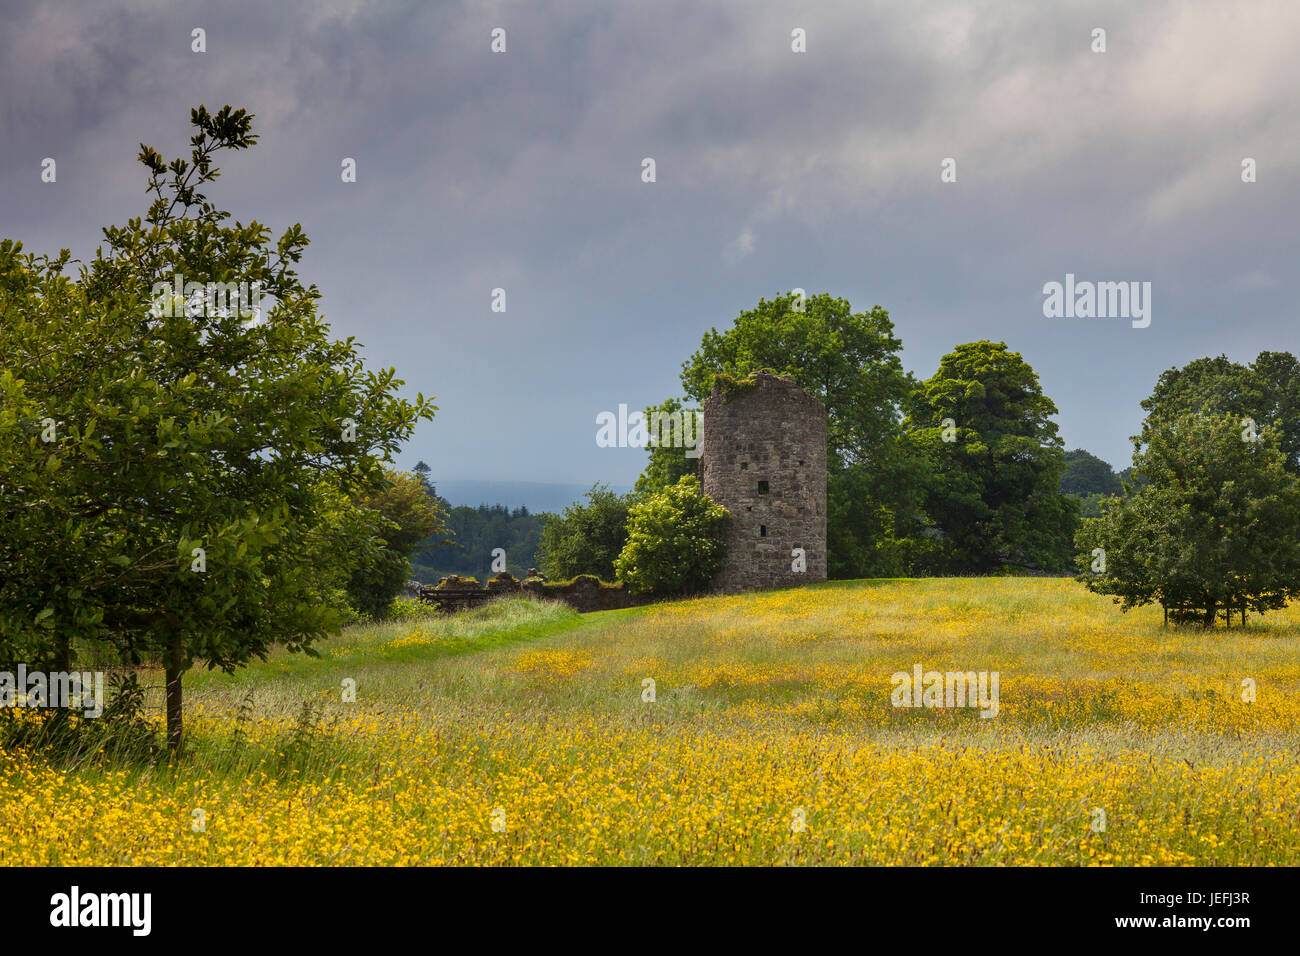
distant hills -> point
(536, 496)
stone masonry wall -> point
(763, 458)
(584, 593)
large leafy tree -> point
(175, 506)
(1213, 526)
(586, 537)
(985, 426)
(1267, 391)
(850, 361)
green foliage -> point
(409, 609)
(1090, 506)
(587, 537)
(176, 430)
(1086, 474)
(1213, 528)
(993, 491)
(730, 386)
(674, 541)
(671, 425)
(372, 587)
(1267, 391)
(849, 360)
(409, 516)
(471, 537)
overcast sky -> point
(522, 170)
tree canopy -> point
(1266, 391)
(674, 446)
(985, 426)
(1213, 527)
(674, 541)
(169, 462)
(409, 515)
(586, 537)
(1086, 474)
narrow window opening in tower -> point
(762, 487)
(762, 531)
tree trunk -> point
(175, 712)
(60, 711)
(1211, 612)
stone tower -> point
(763, 458)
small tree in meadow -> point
(674, 542)
(1215, 527)
(168, 462)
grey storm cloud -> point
(775, 170)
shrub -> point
(674, 541)
(409, 609)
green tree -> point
(587, 537)
(674, 446)
(1130, 479)
(422, 473)
(985, 426)
(410, 515)
(1267, 392)
(173, 509)
(1090, 505)
(1213, 527)
(1086, 474)
(850, 361)
(675, 541)
(343, 539)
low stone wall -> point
(584, 593)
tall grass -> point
(763, 703)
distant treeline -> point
(474, 533)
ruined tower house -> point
(763, 458)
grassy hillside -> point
(772, 710)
